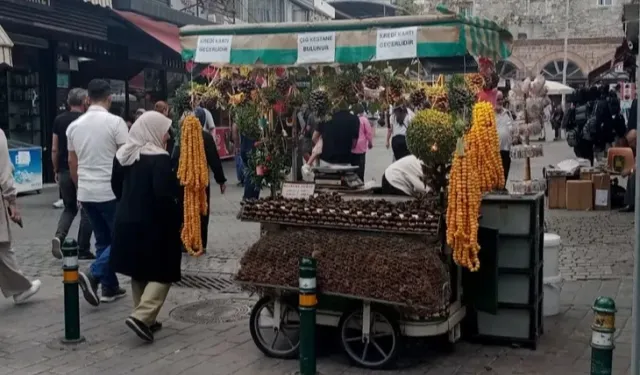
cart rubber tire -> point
(256, 335)
(395, 335)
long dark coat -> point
(146, 239)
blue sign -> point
(27, 168)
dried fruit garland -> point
(194, 177)
(475, 170)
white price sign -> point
(401, 43)
(292, 190)
(213, 49)
(316, 48)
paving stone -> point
(597, 247)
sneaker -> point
(24, 296)
(56, 249)
(155, 327)
(86, 255)
(110, 296)
(89, 287)
(58, 204)
(139, 329)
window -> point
(466, 9)
(605, 3)
(522, 36)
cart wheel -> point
(381, 348)
(275, 342)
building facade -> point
(50, 46)
(256, 11)
(539, 27)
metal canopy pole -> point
(635, 342)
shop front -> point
(55, 45)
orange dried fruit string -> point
(194, 177)
(476, 170)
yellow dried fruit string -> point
(478, 171)
(194, 177)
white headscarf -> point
(146, 137)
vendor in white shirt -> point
(404, 177)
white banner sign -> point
(316, 48)
(213, 49)
(393, 44)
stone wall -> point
(539, 28)
(545, 19)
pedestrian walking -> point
(12, 282)
(364, 142)
(504, 124)
(396, 134)
(93, 140)
(60, 159)
(146, 240)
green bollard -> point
(71, 292)
(603, 327)
(307, 306)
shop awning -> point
(166, 33)
(365, 8)
(102, 3)
(622, 55)
(352, 41)
(5, 48)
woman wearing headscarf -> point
(146, 242)
(213, 161)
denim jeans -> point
(251, 191)
(102, 217)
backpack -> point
(572, 137)
(578, 119)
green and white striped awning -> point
(345, 41)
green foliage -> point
(431, 137)
(408, 7)
(247, 118)
(270, 156)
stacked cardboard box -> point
(591, 191)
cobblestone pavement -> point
(597, 251)
(585, 235)
(29, 340)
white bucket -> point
(551, 254)
(551, 299)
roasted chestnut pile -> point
(397, 269)
(413, 216)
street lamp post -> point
(566, 51)
(635, 310)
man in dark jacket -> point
(574, 123)
(338, 135)
(632, 121)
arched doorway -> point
(507, 70)
(553, 71)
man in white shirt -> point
(93, 140)
(404, 177)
